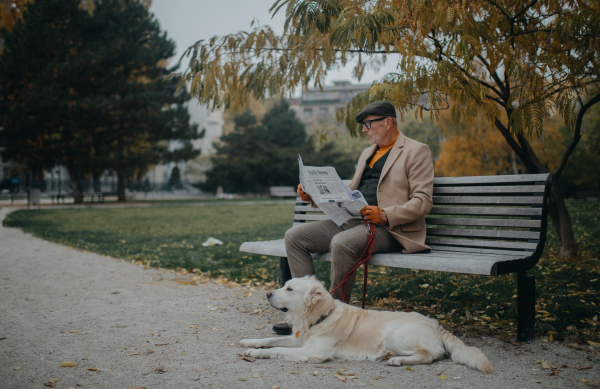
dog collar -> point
(320, 319)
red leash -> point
(363, 260)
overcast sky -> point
(187, 21)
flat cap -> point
(379, 108)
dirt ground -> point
(142, 328)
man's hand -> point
(303, 195)
(374, 214)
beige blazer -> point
(405, 190)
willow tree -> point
(516, 62)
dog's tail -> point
(461, 353)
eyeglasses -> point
(368, 122)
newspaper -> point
(328, 191)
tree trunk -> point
(75, 185)
(121, 185)
(557, 210)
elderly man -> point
(395, 176)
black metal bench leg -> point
(525, 307)
(285, 273)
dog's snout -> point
(269, 294)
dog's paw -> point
(252, 352)
(397, 361)
(250, 343)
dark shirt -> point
(370, 179)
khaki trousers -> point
(346, 244)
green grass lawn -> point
(172, 237)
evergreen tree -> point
(89, 91)
(257, 155)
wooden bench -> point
(488, 225)
(282, 191)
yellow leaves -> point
(94, 369)
(408, 368)
(585, 380)
(78, 333)
(424, 286)
(17, 368)
(443, 377)
(255, 375)
(595, 344)
(68, 364)
(339, 377)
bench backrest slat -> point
(497, 234)
(485, 222)
(477, 200)
(487, 189)
(486, 211)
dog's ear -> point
(313, 296)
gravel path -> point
(138, 327)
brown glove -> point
(374, 214)
(303, 195)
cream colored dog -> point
(324, 328)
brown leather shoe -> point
(282, 328)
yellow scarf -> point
(381, 152)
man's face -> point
(378, 130)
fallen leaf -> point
(584, 368)
(161, 344)
(386, 356)
(78, 333)
(590, 322)
(316, 373)
(424, 286)
(408, 368)
(116, 292)
(249, 359)
(468, 315)
(378, 377)
(573, 346)
(68, 364)
(595, 344)
(143, 387)
(297, 334)
(17, 368)
(93, 369)
(242, 379)
(340, 377)
(294, 372)
(443, 377)
(589, 381)
(456, 378)
(159, 370)
(255, 375)
(134, 354)
(154, 334)
(2, 337)
(193, 327)
(545, 365)
(51, 382)
(260, 327)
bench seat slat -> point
(477, 250)
(474, 200)
(506, 179)
(481, 243)
(499, 234)
(519, 223)
(486, 211)
(488, 189)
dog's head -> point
(305, 300)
